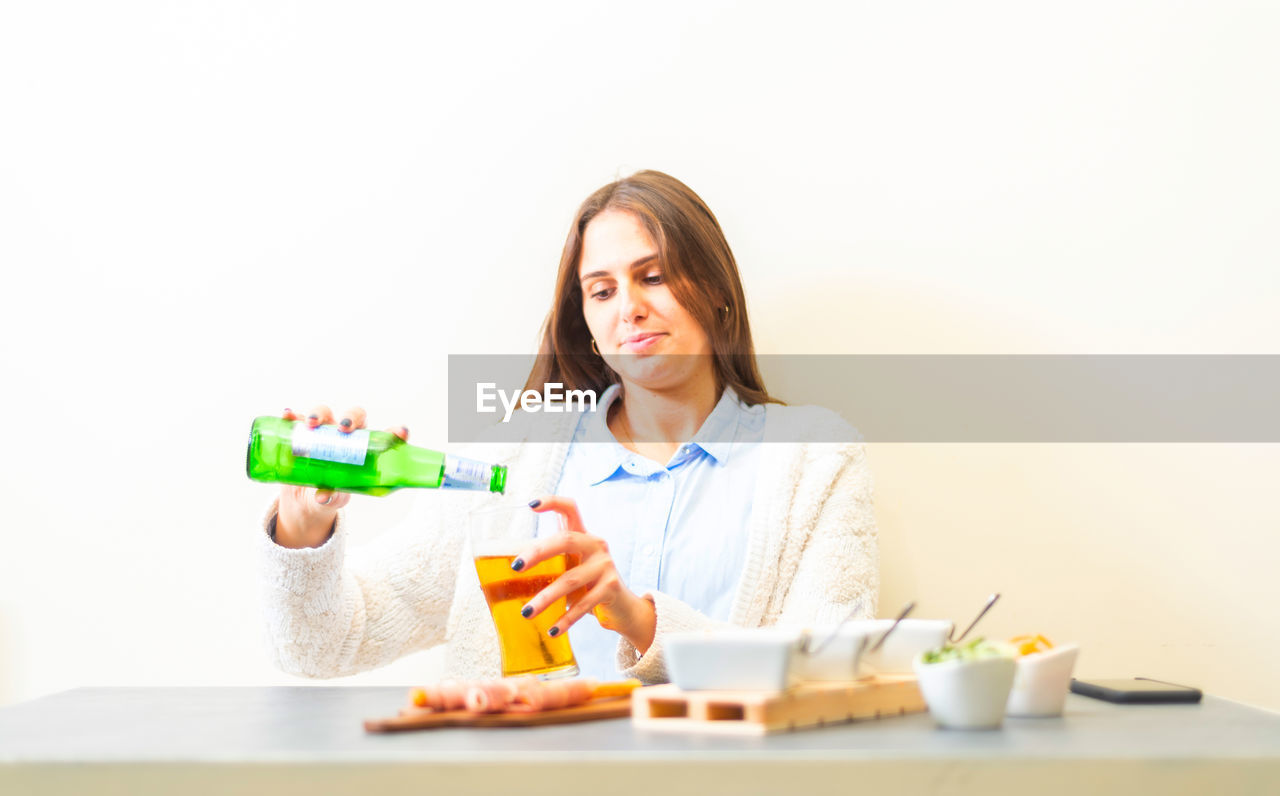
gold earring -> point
(593, 348)
(726, 312)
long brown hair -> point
(697, 264)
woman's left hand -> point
(593, 584)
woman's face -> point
(641, 330)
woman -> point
(682, 515)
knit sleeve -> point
(327, 616)
(833, 564)
(672, 616)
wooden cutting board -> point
(424, 719)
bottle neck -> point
(460, 473)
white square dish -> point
(757, 659)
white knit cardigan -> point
(811, 556)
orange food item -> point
(418, 698)
(1026, 645)
(621, 688)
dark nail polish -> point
(346, 423)
(533, 504)
(553, 632)
(526, 611)
(518, 564)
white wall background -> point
(210, 211)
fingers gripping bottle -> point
(362, 461)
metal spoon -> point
(901, 615)
(808, 637)
(990, 602)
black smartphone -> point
(1137, 690)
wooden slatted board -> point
(665, 707)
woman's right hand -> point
(306, 516)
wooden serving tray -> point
(613, 707)
(665, 707)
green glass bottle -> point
(362, 461)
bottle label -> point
(466, 474)
(329, 444)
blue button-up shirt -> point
(680, 528)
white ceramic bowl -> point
(1041, 681)
(838, 659)
(758, 659)
(966, 695)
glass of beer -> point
(497, 536)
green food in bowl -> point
(976, 650)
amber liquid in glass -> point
(526, 647)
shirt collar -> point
(721, 426)
(606, 454)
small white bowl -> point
(758, 659)
(1041, 682)
(966, 695)
(838, 659)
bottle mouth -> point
(248, 453)
(498, 481)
